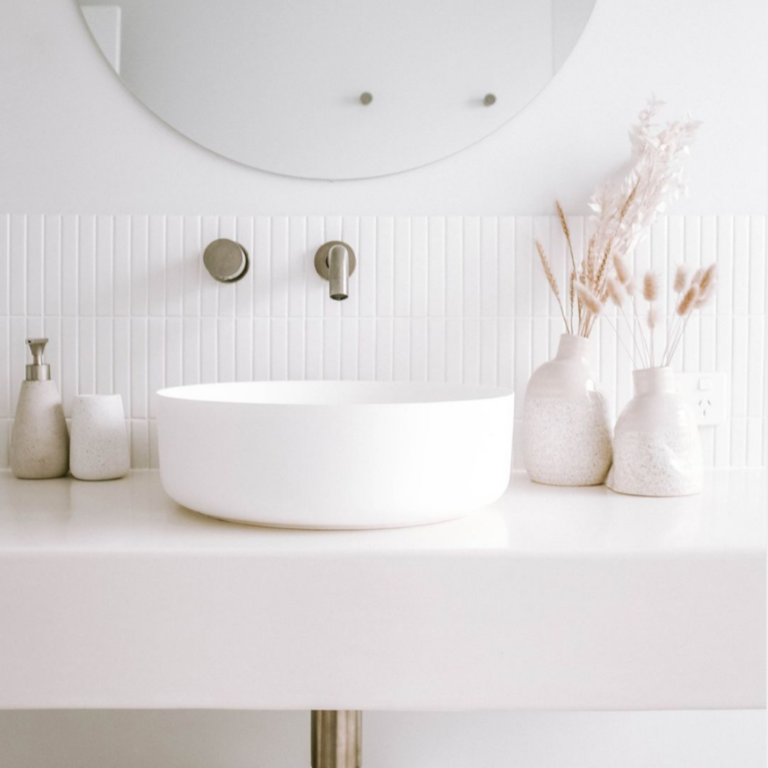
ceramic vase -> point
(99, 440)
(566, 421)
(657, 448)
(39, 438)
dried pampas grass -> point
(688, 300)
(650, 286)
(588, 299)
(692, 295)
(622, 272)
(622, 214)
(614, 289)
(681, 279)
(707, 280)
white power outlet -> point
(706, 393)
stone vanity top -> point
(111, 595)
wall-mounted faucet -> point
(335, 261)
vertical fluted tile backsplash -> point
(129, 309)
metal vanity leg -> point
(337, 738)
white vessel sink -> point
(335, 454)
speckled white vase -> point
(657, 448)
(566, 421)
(99, 440)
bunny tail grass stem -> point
(641, 333)
(684, 310)
(679, 338)
(631, 329)
(652, 323)
(653, 357)
(674, 326)
(680, 321)
(617, 330)
(672, 331)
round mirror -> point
(336, 89)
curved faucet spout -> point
(338, 267)
(335, 261)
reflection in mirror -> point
(336, 89)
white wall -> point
(75, 141)
(72, 140)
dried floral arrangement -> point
(622, 214)
(693, 292)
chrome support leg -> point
(337, 738)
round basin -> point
(335, 454)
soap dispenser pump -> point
(39, 439)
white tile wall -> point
(129, 309)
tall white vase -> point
(657, 448)
(566, 423)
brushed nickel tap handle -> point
(226, 260)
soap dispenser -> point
(39, 439)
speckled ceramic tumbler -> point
(99, 441)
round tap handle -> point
(226, 260)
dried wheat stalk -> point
(622, 215)
(551, 279)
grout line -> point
(24, 272)
(217, 298)
(165, 266)
(6, 278)
(427, 275)
(376, 269)
(306, 271)
(41, 292)
(270, 293)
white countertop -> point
(111, 595)
(135, 515)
